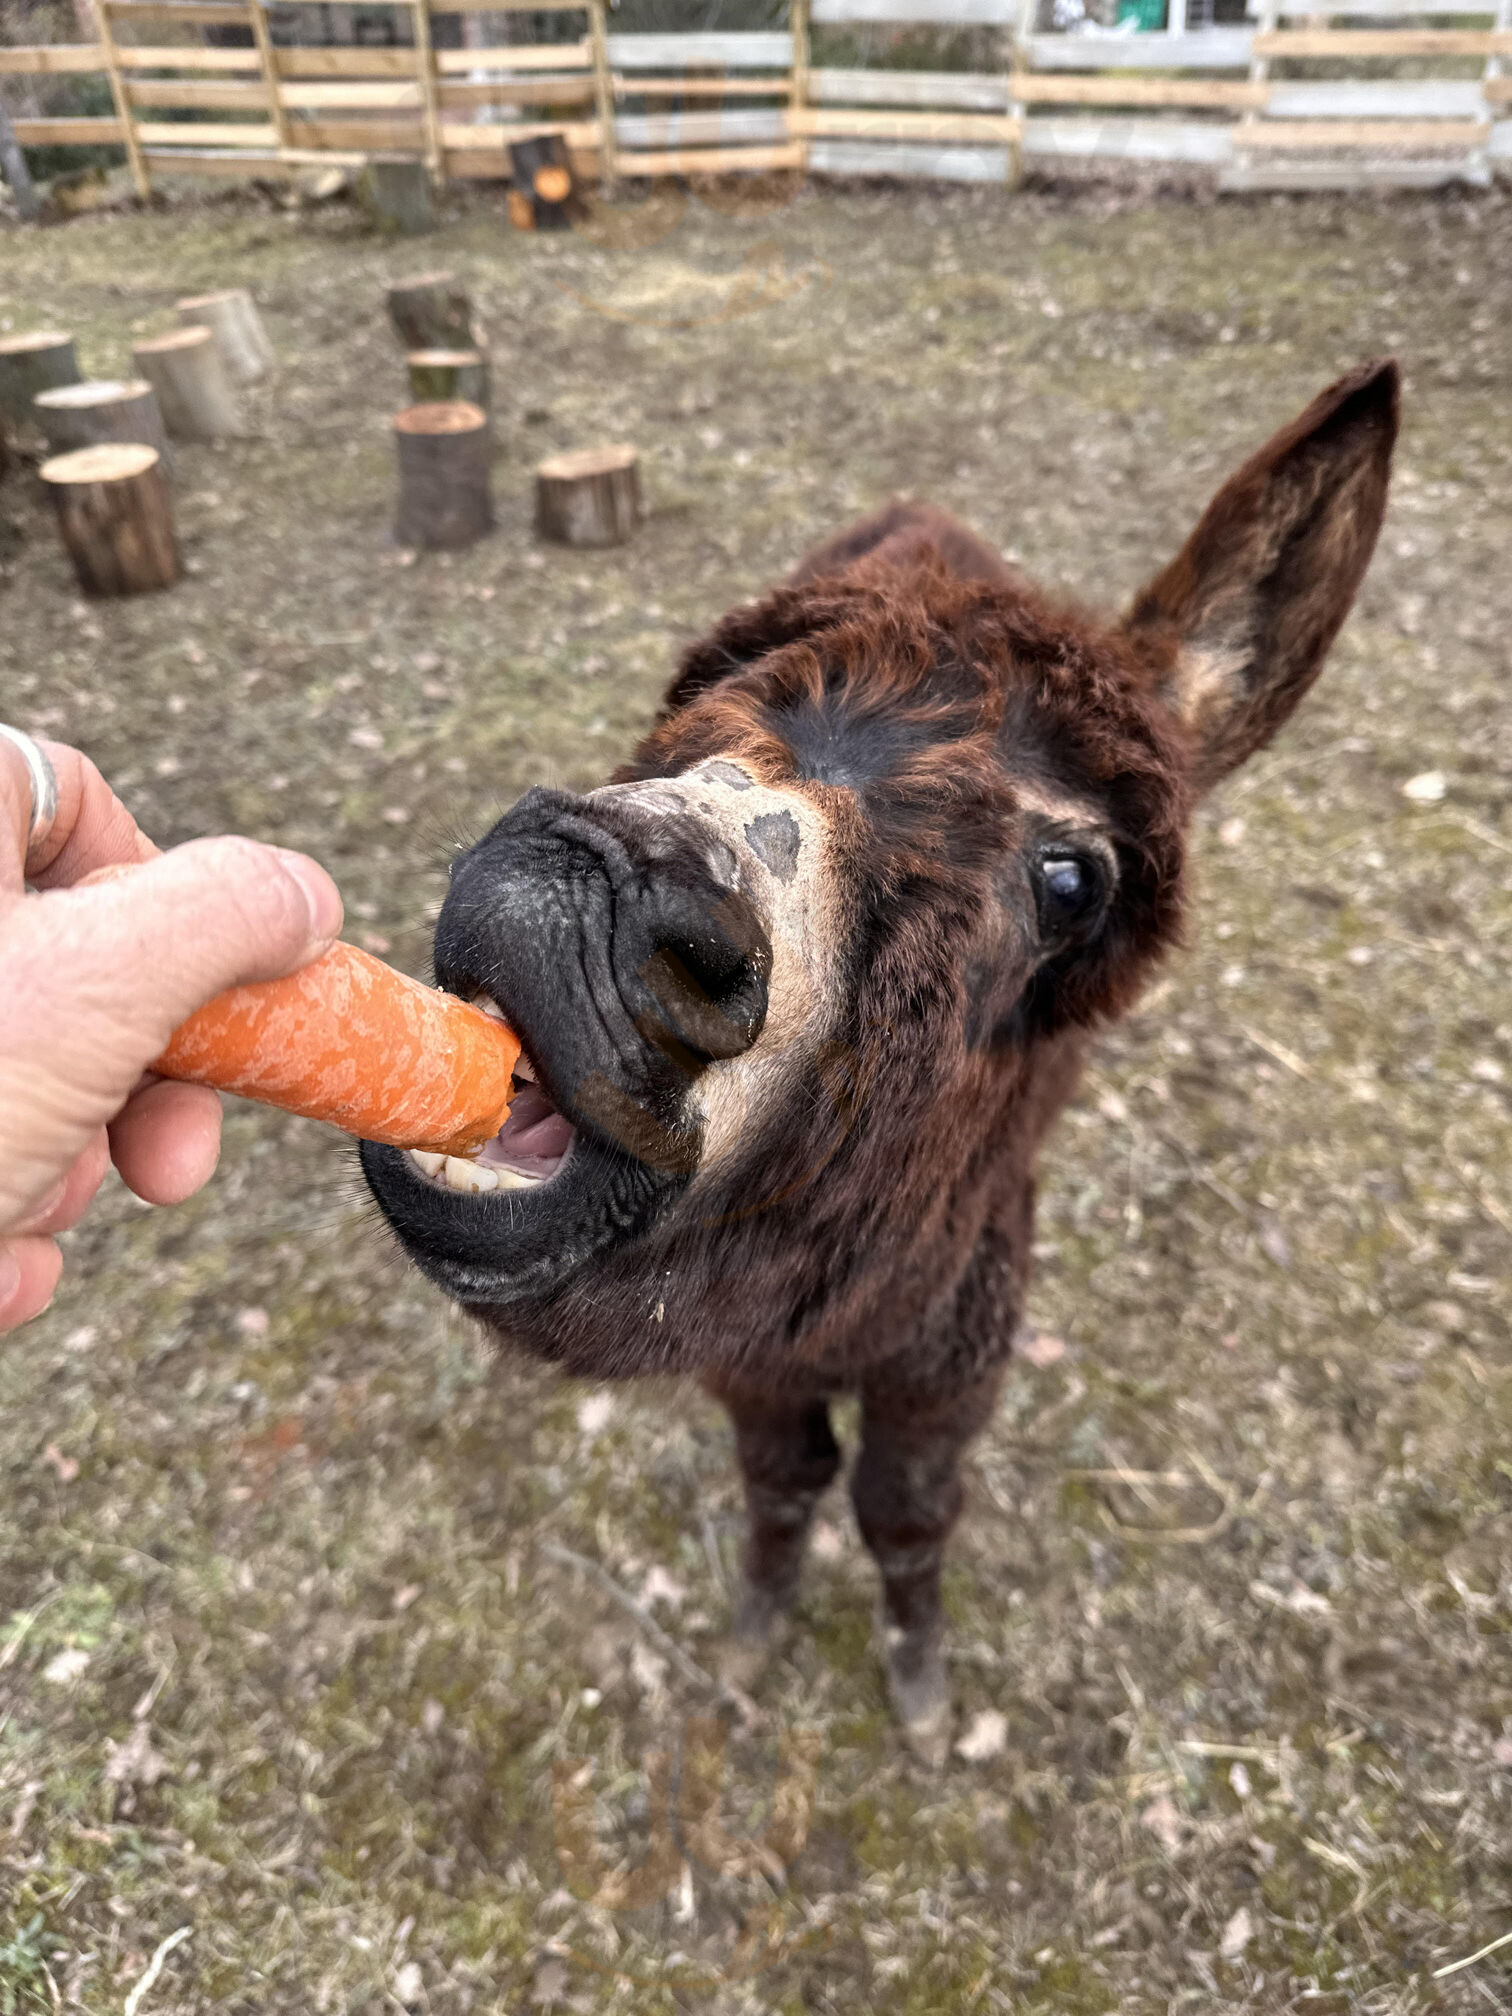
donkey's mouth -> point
(551, 1192)
(529, 1149)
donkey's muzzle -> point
(619, 945)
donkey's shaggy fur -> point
(904, 833)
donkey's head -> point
(795, 983)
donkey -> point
(803, 987)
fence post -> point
(134, 154)
(1494, 69)
(269, 62)
(425, 55)
(1259, 73)
(1020, 36)
(798, 88)
(603, 91)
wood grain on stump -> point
(589, 498)
(444, 453)
(102, 409)
(188, 374)
(396, 192)
(545, 183)
(30, 364)
(116, 517)
(233, 320)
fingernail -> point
(320, 893)
(10, 1278)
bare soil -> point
(289, 1647)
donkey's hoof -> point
(921, 1701)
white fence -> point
(1260, 103)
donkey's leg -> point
(906, 1487)
(788, 1457)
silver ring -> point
(44, 787)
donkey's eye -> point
(1070, 890)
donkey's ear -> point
(1235, 630)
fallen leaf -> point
(660, 1587)
(1237, 1934)
(1164, 1822)
(67, 1467)
(65, 1667)
(133, 1763)
(594, 1413)
(1040, 1349)
(550, 1983)
(987, 1737)
(408, 1985)
(648, 1671)
(252, 1322)
(1275, 1245)
(1427, 788)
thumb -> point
(98, 977)
(164, 936)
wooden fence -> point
(1369, 92)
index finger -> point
(92, 828)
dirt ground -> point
(291, 1637)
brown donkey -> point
(803, 988)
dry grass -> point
(292, 1651)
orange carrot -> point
(350, 1041)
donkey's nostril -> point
(708, 974)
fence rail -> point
(657, 104)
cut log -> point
(102, 409)
(31, 364)
(432, 312)
(116, 517)
(444, 453)
(396, 192)
(590, 498)
(187, 373)
(233, 320)
(449, 374)
(544, 179)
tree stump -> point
(449, 374)
(186, 372)
(590, 498)
(102, 409)
(31, 364)
(233, 320)
(431, 312)
(544, 179)
(396, 192)
(116, 517)
(444, 499)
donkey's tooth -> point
(489, 1006)
(467, 1176)
(427, 1163)
(514, 1179)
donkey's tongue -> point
(534, 1134)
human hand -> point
(94, 980)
